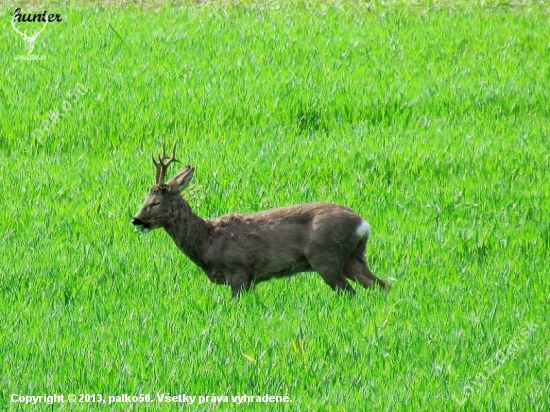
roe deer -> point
(239, 250)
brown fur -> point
(238, 250)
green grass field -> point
(431, 121)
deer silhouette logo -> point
(30, 39)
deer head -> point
(29, 40)
(163, 198)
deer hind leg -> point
(336, 280)
(332, 274)
(357, 269)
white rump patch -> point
(363, 230)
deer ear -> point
(181, 180)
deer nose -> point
(137, 222)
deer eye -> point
(155, 205)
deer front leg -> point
(238, 282)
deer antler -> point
(163, 167)
(23, 34)
(29, 40)
(35, 35)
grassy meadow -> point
(430, 120)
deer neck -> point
(188, 231)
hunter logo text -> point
(20, 24)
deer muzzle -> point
(145, 227)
